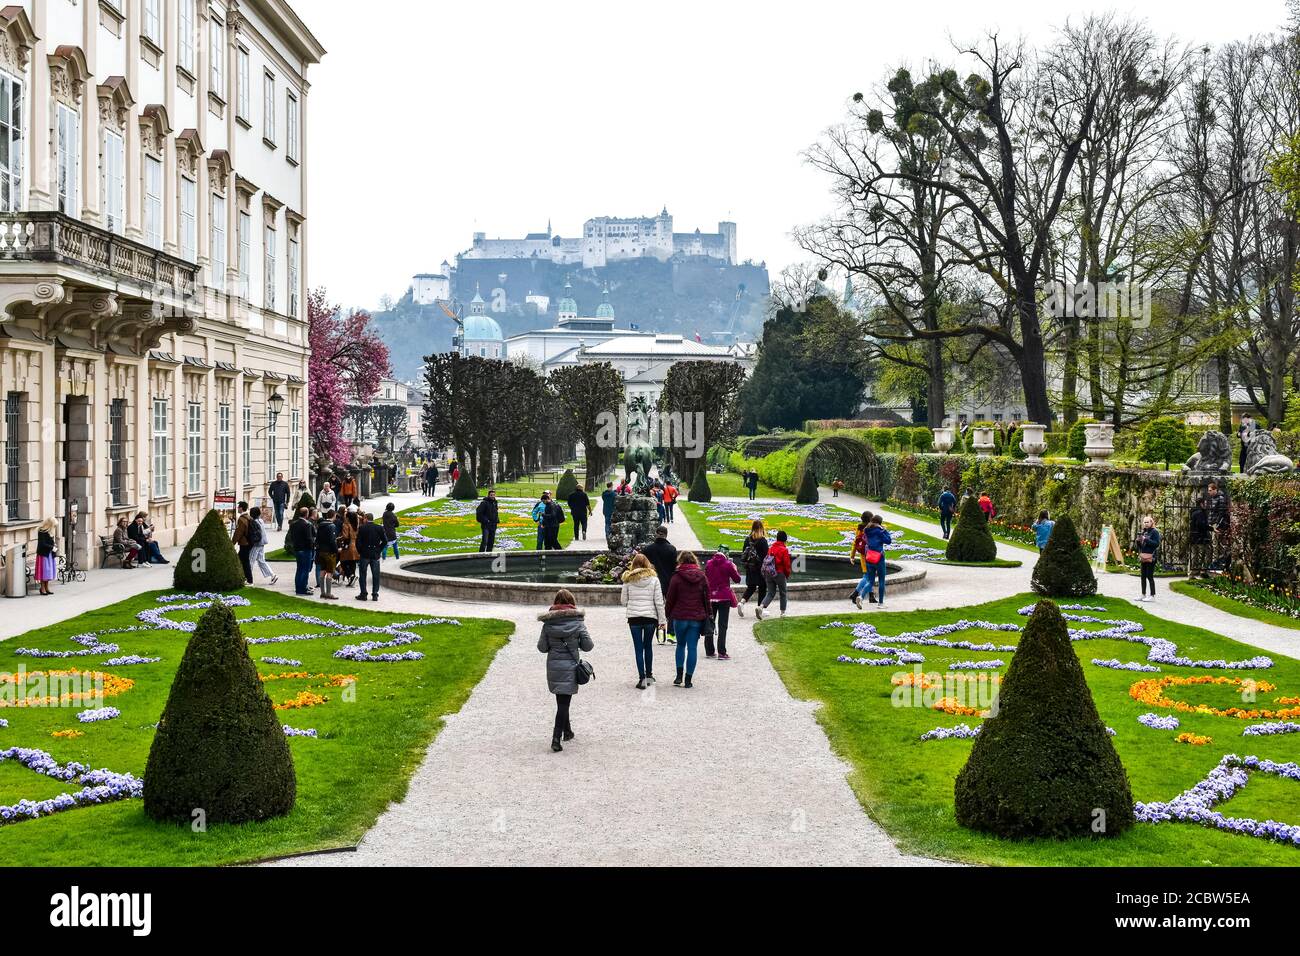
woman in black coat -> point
(563, 636)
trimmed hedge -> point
(807, 493)
(700, 490)
(1077, 439)
(566, 486)
(1043, 764)
(1063, 569)
(209, 561)
(464, 489)
(219, 747)
(971, 540)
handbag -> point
(707, 627)
(583, 672)
(872, 557)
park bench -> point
(109, 549)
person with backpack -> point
(552, 518)
(390, 524)
(1148, 543)
(721, 573)
(327, 556)
(873, 560)
(241, 542)
(777, 569)
(563, 636)
(488, 517)
(644, 600)
(1043, 529)
(579, 510)
(302, 537)
(538, 512)
(687, 605)
(947, 505)
(752, 557)
(257, 545)
(663, 556)
(660, 508)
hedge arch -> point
(840, 456)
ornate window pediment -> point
(115, 103)
(154, 128)
(219, 169)
(16, 39)
(271, 208)
(68, 75)
(189, 149)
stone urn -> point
(984, 442)
(1100, 443)
(1034, 442)
(942, 440)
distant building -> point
(644, 360)
(479, 333)
(558, 345)
(608, 239)
(430, 287)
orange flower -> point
(1151, 692)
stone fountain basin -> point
(528, 579)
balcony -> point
(54, 237)
(59, 276)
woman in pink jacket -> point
(721, 573)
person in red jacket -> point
(986, 505)
(721, 573)
(687, 604)
(670, 498)
(777, 569)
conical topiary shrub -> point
(1043, 765)
(305, 500)
(209, 562)
(971, 540)
(1063, 569)
(806, 492)
(568, 485)
(464, 489)
(219, 747)
(700, 490)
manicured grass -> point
(831, 533)
(361, 762)
(729, 485)
(1241, 609)
(907, 785)
(931, 515)
(453, 526)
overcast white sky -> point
(431, 120)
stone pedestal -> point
(633, 522)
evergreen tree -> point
(700, 490)
(1043, 764)
(219, 747)
(464, 489)
(1078, 438)
(1167, 440)
(1064, 569)
(806, 493)
(568, 484)
(971, 539)
(209, 561)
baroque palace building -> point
(153, 251)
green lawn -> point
(1241, 609)
(932, 515)
(361, 762)
(907, 785)
(825, 528)
(447, 526)
(728, 485)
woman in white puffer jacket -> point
(644, 600)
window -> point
(268, 268)
(295, 442)
(246, 431)
(268, 106)
(217, 57)
(223, 447)
(113, 179)
(11, 143)
(117, 451)
(69, 129)
(13, 452)
(161, 448)
(291, 130)
(189, 222)
(152, 26)
(153, 177)
(245, 227)
(185, 34)
(194, 448)
(218, 240)
(242, 82)
(272, 455)
(293, 278)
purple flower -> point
(98, 714)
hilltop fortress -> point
(608, 239)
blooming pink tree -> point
(348, 360)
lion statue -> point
(1213, 455)
(1262, 456)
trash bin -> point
(16, 571)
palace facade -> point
(153, 257)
